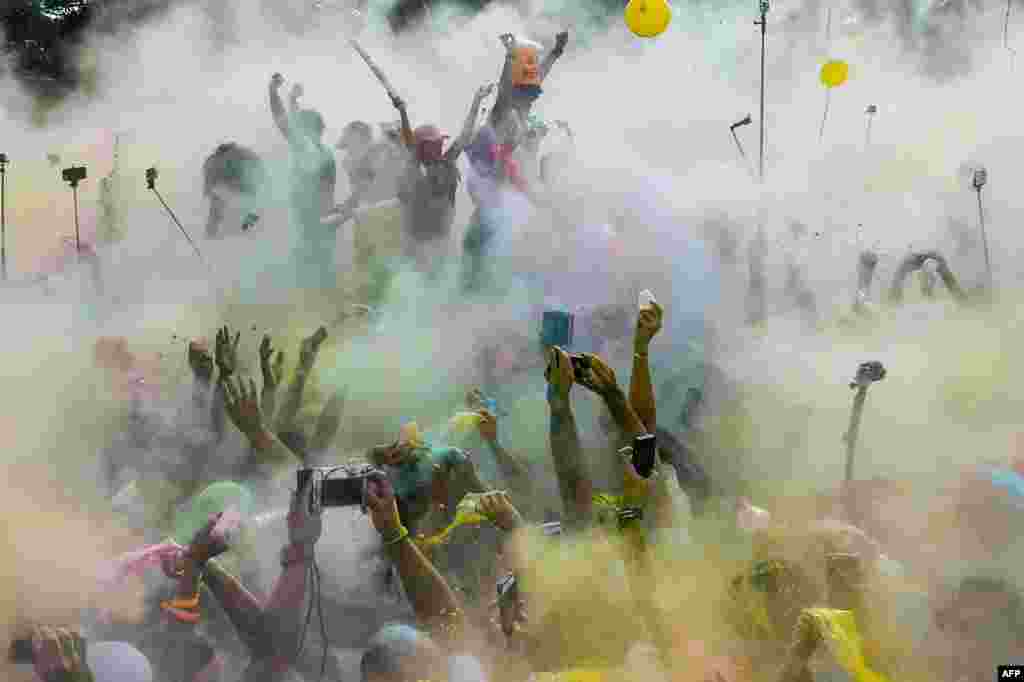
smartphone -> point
(580, 366)
(557, 328)
(644, 452)
(507, 587)
(552, 529)
(22, 652)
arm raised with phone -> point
(641, 388)
(573, 478)
(594, 374)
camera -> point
(3, 159)
(74, 175)
(338, 486)
(872, 110)
(867, 374)
(151, 176)
(980, 178)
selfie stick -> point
(373, 67)
(871, 111)
(867, 374)
(763, 23)
(151, 176)
(980, 178)
(736, 139)
(3, 215)
(73, 181)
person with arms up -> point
(427, 192)
(314, 176)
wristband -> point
(296, 554)
(183, 610)
(402, 534)
(629, 515)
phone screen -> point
(556, 330)
(343, 492)
(644, 451)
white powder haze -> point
(651, 120)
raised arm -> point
(270, 630)
(432, 599)
(573, 478)
(277, 106)
(513, 469)
(242, 405)
(293, 98)
(469, 127)
(637, 494)
(329, 422)
(293, 396)
(641, 389)
(561, 40)
(272, 370)
(600, 379)
(505, 82)
(406, 132)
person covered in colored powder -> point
(427, 191)
(314, 176)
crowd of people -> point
(500, 564)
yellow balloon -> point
(648, 18)
(834, 73)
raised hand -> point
(200, 360)
(382, 508)
(276, 81)
(599, 377)
(215, 537)
(242, 405)
(273, 370)
(304, 518)
(559, 373)
(508, 40)
(297, 92)
(484, 92)
(561, 40)
(226, 352)
(488, 426)
(310, 347)
(60, 654)
(498, 507)
(648, 325)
